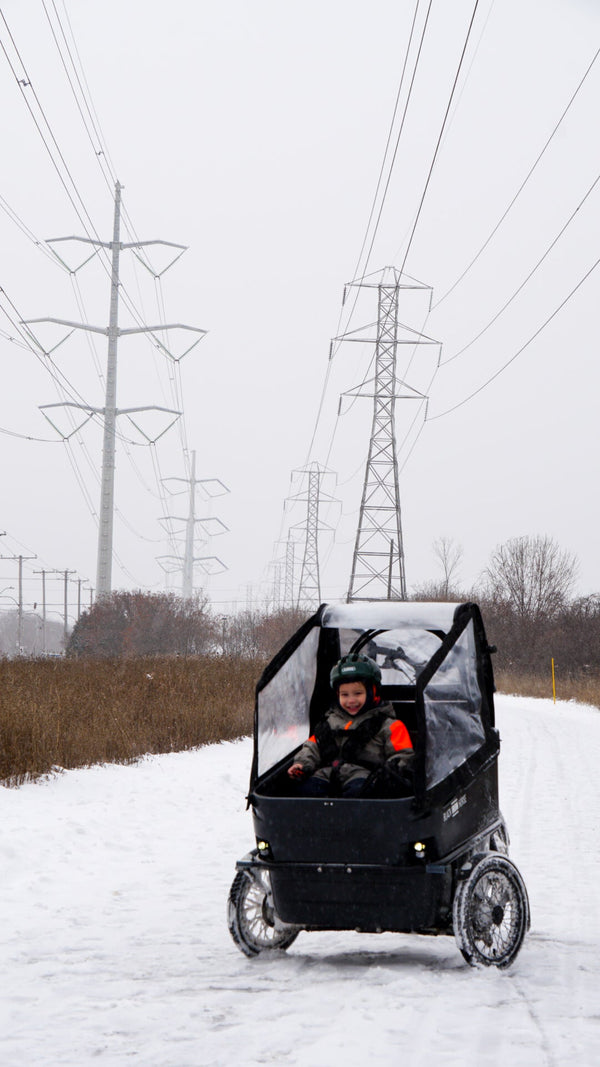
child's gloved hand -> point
(296, 770)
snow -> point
(115, 946)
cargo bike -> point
(435, 862)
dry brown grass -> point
(585, 689)
(74, 713)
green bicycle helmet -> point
(355, 668)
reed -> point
(74, 713)
(582, 688)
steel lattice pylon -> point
(378, 561)
(309, 591)
(288, 593)
(309, 588)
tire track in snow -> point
(552, 817)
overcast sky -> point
(254, 133)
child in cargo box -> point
(359, 747)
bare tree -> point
(450, 556)
(258, 633)
(531, 575)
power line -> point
(22, 226)
(97, 153)
(47, 362)
(439, 141)
(360, 275)
(97, 137)
(426, 186)
(372, 210)
(28, 437)
(79, 88)
(24, 84)
(528, 278)
(389, 138)
(432, 418)
(102, 153)
(91, 232)
(89, 103)
(521, 187)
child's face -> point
(352, 697)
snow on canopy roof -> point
(388, 614)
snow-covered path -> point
(115, 947)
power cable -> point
(29, 437)
(46, 361)
(43, 247)
(432, 418)
(131, 306)
(527, 279)
(24, 83)
(174, 379)
(86, 94)
(423, 196)
(65, 388)
(441, 134)
(433, 161)
(521, 187)
(389, 177)
(425, 189)
(359, 275)
(389, 138)
(339, 330)
(98, 153)
(90, 231)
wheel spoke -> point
(491, 912)
(253, 922)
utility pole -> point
(110, 411)
(43, 574)
(210, 525)
(65, 575)
(20, 600)
(378, 561)
(80, 582)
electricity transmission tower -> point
(211, 527)
(378, 560)
(282, 567)
(288, 588)
(110, 411)
(309, 589)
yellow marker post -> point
(553, 683)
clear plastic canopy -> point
(389, 614)
(406, 640)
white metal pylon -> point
(110, 411)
